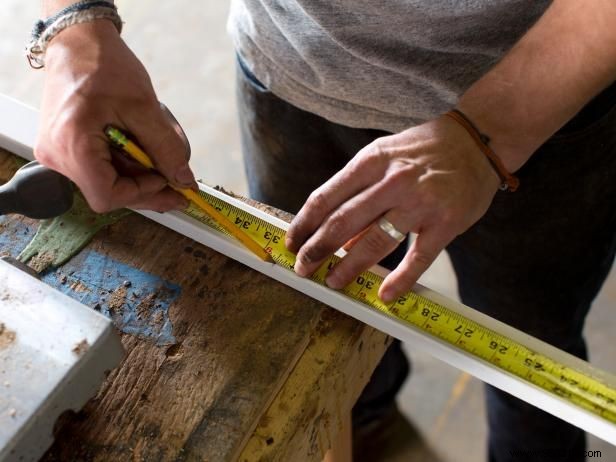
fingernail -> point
(185, 177)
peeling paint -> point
(139, 308)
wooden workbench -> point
(222, 362)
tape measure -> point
(578, 387)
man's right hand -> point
(93, 79)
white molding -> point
(18, 127)
(23, 138)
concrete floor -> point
(184, 45)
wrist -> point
(82, 12)
(79, 35)
(508, 182)
(512, 147)
(83, 40)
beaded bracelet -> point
(509, 182)
(84, 11)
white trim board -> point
(44, 375)
(18, 127)
(13, 134)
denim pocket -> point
(248, 75)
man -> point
(341, 111)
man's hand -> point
(93, 79)
(431, 180)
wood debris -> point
(7, 337)
(81, 347)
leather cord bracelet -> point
(509, 182)
(83, 11)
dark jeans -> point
(536, 260)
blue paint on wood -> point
(14, 237)
(141, 309)
(141, 300)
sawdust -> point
(79, 286)
(145, 306)
(7, 337)
(40, 262)
(81, 347)
(117, 300)
(158, 319)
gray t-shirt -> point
(385, 64)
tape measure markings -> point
(434, 319)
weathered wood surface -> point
(316, 400)
(238, 336)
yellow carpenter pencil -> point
(130, 148)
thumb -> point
(168, 151)
(422, 253)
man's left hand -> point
(431, 180)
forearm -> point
(546, 78)
(53, 6)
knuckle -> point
(318, 202)
(403, 175)
(376, 242)
(421, 258)
(345, 274)
(313, 254)
(376, 151)
(100, 204)
(338, 225)
(43, 155)
(299, 230)
(294, 232)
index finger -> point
(162, 142)
(353, 178)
